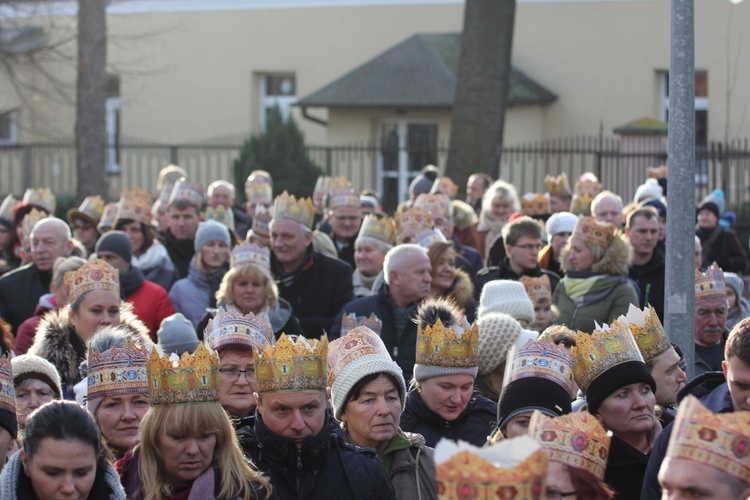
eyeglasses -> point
(529, 246)
(82, 227)
(232, 374)
(556, 494)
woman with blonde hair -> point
(450, 282)
(498, 203)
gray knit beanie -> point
(177, 335)
(506, 296)
(116, 242)
(211, 231)
(28, 366)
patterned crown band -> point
(592, 231)
(382, 229)
(355, 344)
(259, 193)
(351, 321)
(250, 254)
(189, 379)
(343, 198)
(41, 197)
(117, 371)
(426, 238)
(221, 215)
(292, 365)
(187, 192)
(93, 275)
(534, 204)
(6, 209)
(441, 346)
(646, 327)
(287, 207)
(437, 205)
(261, 222)
(540, 360)
(135, 205)
(7, 389)
(557, 186)
(231, 328)
(720, 440)
(576, 439)
(411, 222)
(710, 285)
(537, 289)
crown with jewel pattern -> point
(581, 204)
(7, 389)
(540, 360)
(231, 328)
(134, 205)
(720, 440)
(42, 198)
(351, 321)
(117, 371)
(30, 220)
(6, 209)
(187, 192)
(537, 288)
(343, 198)
(437, 204)
(648, 331)
(259, 193)
(441, 346)
(93, 275)
(594, 232)
(287, 207)
(511, 469)
(109, 215)
(221, 215)
(292, 365)
(576, 439)
(557, 186)
(91, 209)
(189, 379)
(355, 344)
(710, 285)
(251, 254)
(261, 222)
(380, 228)
(411, 222)
(535, 204)
(607, 346)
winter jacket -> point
(504, 272)
(413, 470)
(192, 295)
(325, 467)
(20, 291)
(345, 253)
(402, 345)
(317, 291)
(280, 317)
(650, 280)
(722, 246)
(150, 302)
(360, 287)
(27, 331)
(180, 252)
(462, 293)
(473, 425)
(626, 467)
(156, 265)
(16, 485)
(547, 261)
(470, 256)
(242, 221)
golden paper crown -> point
(594, 232)
(646, 327)
(512, 469)
(221, 215)
(109, 215)
(261, 222)
(382, 229)
(447, 187)
(659, 172)
(292, 365)
(117, 371)
(42, 198)
(581, 204)
(91, 209)
(588, 184)
(134, 205)
(557, 186)
(187, 192)
(594, 354)
(231, 328)
(535, 204)
(6, 209)
(710, 285)
(437, 205)
(93, 275)
(576, 439)
(343, 198)
(250, 254)
(355, 344)
(259, 193)
(287, 207)
(537, 288)
(720, 440)
(351, 321)
(334, 183)
(30, 220)
(540, 360)
(441, 346)
(7, 388)
(411, 222)
(189, 379)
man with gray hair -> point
(20, 289)
(607, 207)
(223, 193)
(407, 275)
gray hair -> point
(396, 258)
(501, 190)
(65, 265)
(604, 194)
(115, 336)
(381, 245)
(216, 184)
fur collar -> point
(462, 290)
(615, 262)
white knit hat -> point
(498, 333)
(506, 296)
(648, 190)
(561, 222)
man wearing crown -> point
(183, 216)
(711, 307)
(344, 217)
(222, 193)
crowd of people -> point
(505, 346)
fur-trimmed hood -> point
(615, 262)
(462, 291)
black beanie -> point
(617, 377)
(116, 242)
(9, 422)
(529, 394)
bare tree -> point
(483, 80)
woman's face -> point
(135, 235)
(629, 410)
(97, 309)
(731, 297)
(444, 272)
(448, 395)
(580, 256)
(501, 209)
(214, 254)
(119, 418)
(558, 481)
(61, 469)
(369, 258)
(185, 457)
(518, 425)
(707, 219)
(237, 381)
(375, 416)
(249, 294)
(30, 395)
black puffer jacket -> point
(19, 293)
(325, 467)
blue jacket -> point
(192, 295)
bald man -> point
(20, 289)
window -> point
(112, 139)
(8, 127)
(277, 90)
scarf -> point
(367, 281)
(584, 287)
(492, 227)
(131, 282)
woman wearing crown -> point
(376, 237)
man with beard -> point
(711, 308)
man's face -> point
(85, 232)
(413, 280)
(681, 478)
(524, 253)
(670, 379)
(48, 242)
(183, 223)
(221, 195)
(345, 222)
(558, 241)
(474, 190)
(295, 415)
(710, 320)
(289, 242)
(115, 261)
(644, 235)
(558, 204)
(737, 374)
(608, 209)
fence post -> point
(26, 179)
(329, 160)
(173, 154)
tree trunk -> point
(482, 83)
(90, 98)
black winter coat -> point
(180, 251)
(19, 293)
(626, 467)
(473, 425)
(325, 467)
(650, 280)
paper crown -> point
(429, 236)
(448, 187)
(540, 360)
(355, 344)
(117, 371)
(109, 215)
(91, 209)
(410, 222)
(659, 172)
(437, 205)
(588, 184)
(646, 327)
(511, 469)
(710, 285)
(261, 220)
(292, 365)
(189, 379)
(537, 288)
(287, 207)
(351, 321)
(343, 198)
(721, 440)
(382, 229)
(577, 440)
(259, 193)
(7, 388)
(535, 204)
(334, 183)
(231, 328)
(93, 275)
(592, 231)
(166, 192)
(187, 192)
(606, 347)
(6, 209)
(557, 186)
(581, 204)
(250, 254)
(221, 215)
(30, 220)
(441, 346)
(42, 198)
(135, 205)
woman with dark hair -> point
(62, 456)
(450, 282)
